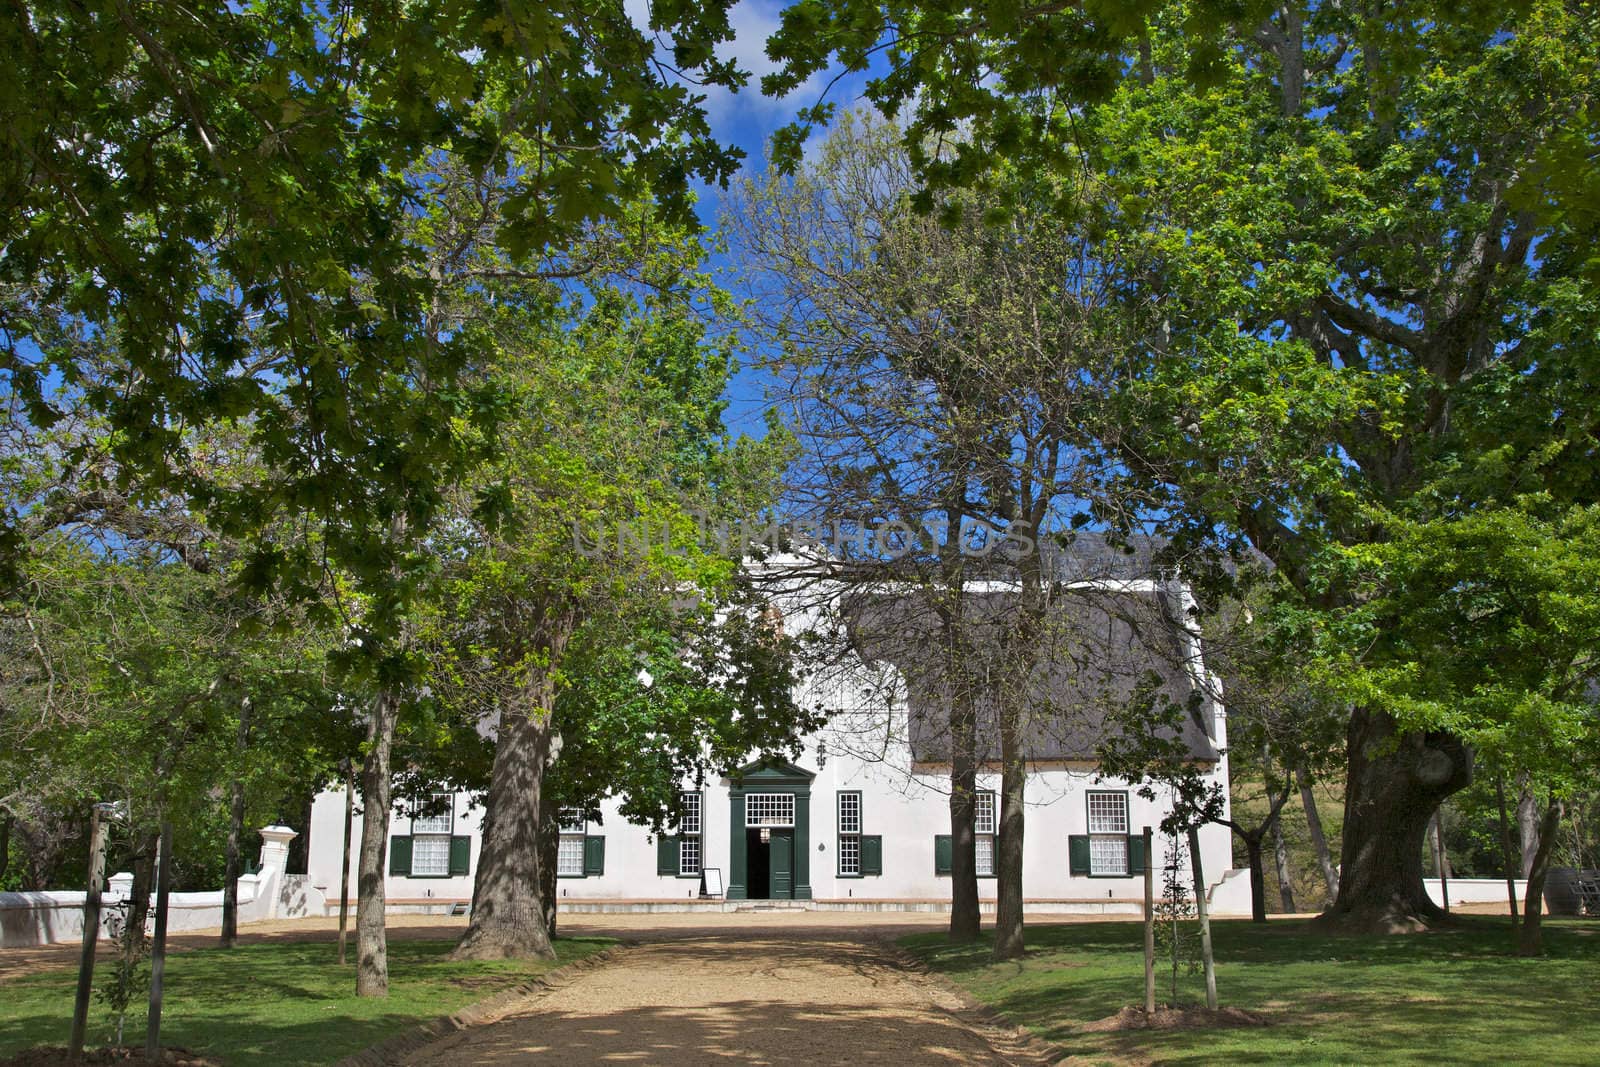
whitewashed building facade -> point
(861, 816)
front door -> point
(780, 864)
(758, 877)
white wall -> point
(57, 915)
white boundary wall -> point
(57, 915)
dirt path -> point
(754, 989)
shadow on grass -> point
(278, 1002)
(1447, 994)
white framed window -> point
(1108, 833)
(569, 856)
(849, 813)
(688, 855)
(690, 828)
(768, 809)
(441, 823)
(850, 833)
(983, 829)
(572, 821)
(430, 838)
(430, 855)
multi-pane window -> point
(430, 839)
(569, 848)
(769, 809)
(983, 828)
(850, 833)
(569, 856)
(1108, 833)
(430, 855)
(689, 831)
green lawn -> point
(1454, 996)
(275, 1003)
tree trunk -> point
(233, 852)
(1527, 824)
(372, 949)
(143, 861)
(1202, 909)
(1530, 938)
(1258, 877)
(1280, 859)
(1008, 939)
(508, 909)
(964, 918)
(1395, 783)
(549, 849)
(1319, 842)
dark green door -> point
(782, 864)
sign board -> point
(711, 882)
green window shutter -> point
(594, 856)
(460, 855)
(872, 854)
(1078, 853)
(666, 855)
(400, 855)
(1136, 857)
(943, 854)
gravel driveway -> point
(780, 988)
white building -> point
(861, 818)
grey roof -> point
(1097, 651)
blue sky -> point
(746, 119)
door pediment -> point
(764, 772)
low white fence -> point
(57, 915)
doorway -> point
(769, 870)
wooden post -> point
(1149, 925)
(91, 929)
(1204, 912)
(344, 871)
(158, 951)
(1505, 846)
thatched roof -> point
(1101, 650)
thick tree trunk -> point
(1280, 859)
(1008, 937)
(549, 848)
(1395, 783)
(1527, 824)
(1530, 937)
(1319, 841)
(508, 908)
(372, 949)
(964, 918)
(232, 856)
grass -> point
(1449, 996)
(275, 1002)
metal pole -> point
(158, 952)
(344, 873)
(91, 932)
(1505, 845)
(1149, 925)
(1205, 919)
